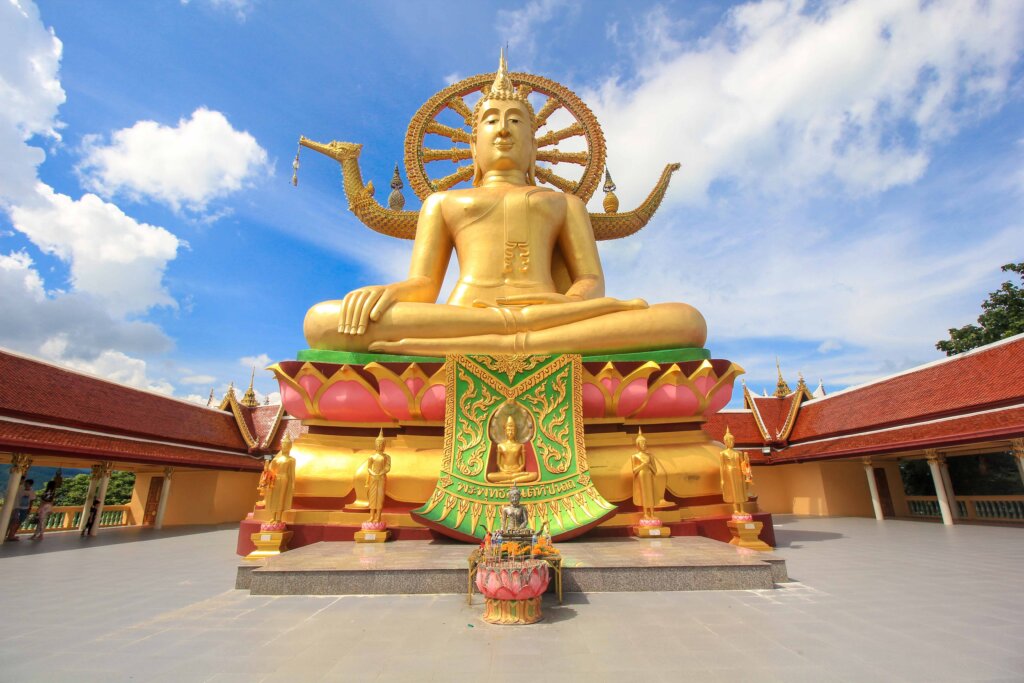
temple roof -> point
(45, 407)
(966, 398)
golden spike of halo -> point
(453, 134)
(547, 109)
(611, 202)
(458, 105)
(551, 178)
(554, 156)
(455, 154)
(561, 134)
(464, 173)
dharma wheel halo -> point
(556, 97)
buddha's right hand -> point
(363, 305)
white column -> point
(876, 502)
(105, 469)
(1017, 447)
(19, 466)
(935, 463)
(954, 509)
(165, 491)
(94, 480)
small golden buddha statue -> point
(377, 467)
(644, 469)
(736, 474)
(511, 459)
(513, 241)
(280, 481)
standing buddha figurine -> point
(375, 530)
(735, 473)
(280, 482)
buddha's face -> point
(510, 429)
(729, 440)
(513, 496)
(504, 137)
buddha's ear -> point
(531, 172)
(478, 175)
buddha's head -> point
(728, 439)
(503, 123)
(286, 445)
(641, 441)
(513, 495)
(510, 428)
(378, 443)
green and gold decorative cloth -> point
(513, 419)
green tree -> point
(1002, 316)
(74, 489)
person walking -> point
(25, 497)
(45, 506)
(93, 509)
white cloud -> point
(784, 94)
(829, 345)
(240, 8)
(259, 362)
(109, 364)
(200, 160)
(519, 27)
(112, 257)
(198, 379)
(30, 94)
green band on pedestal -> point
(349, 358)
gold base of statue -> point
(652, 531)
(746, 535)
(364, 536)
(269, 544)
(512, 611)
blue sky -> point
(853, 172)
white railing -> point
(66, 517)
(981, 508)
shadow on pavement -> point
(787, 538)
(57, 541)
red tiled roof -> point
(950, 431)
(34, 438)
(740, 423)
(990, 376)
(42, 392)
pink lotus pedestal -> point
(513, 590)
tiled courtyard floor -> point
(870, 601)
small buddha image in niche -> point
(512, 460)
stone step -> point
(606, 565)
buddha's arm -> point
(580, 252)
(430, 254)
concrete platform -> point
(422, 567)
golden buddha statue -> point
(736, 474)
(511, 459)
(377, 467)
(644, 470)
(280, 482)
(514, 241)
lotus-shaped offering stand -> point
(513, 590)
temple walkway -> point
(879, 601)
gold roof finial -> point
(396, 201)
(231, 389)
(782, 389)
(611, 202)
(249, 398)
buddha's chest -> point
(494, 219)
